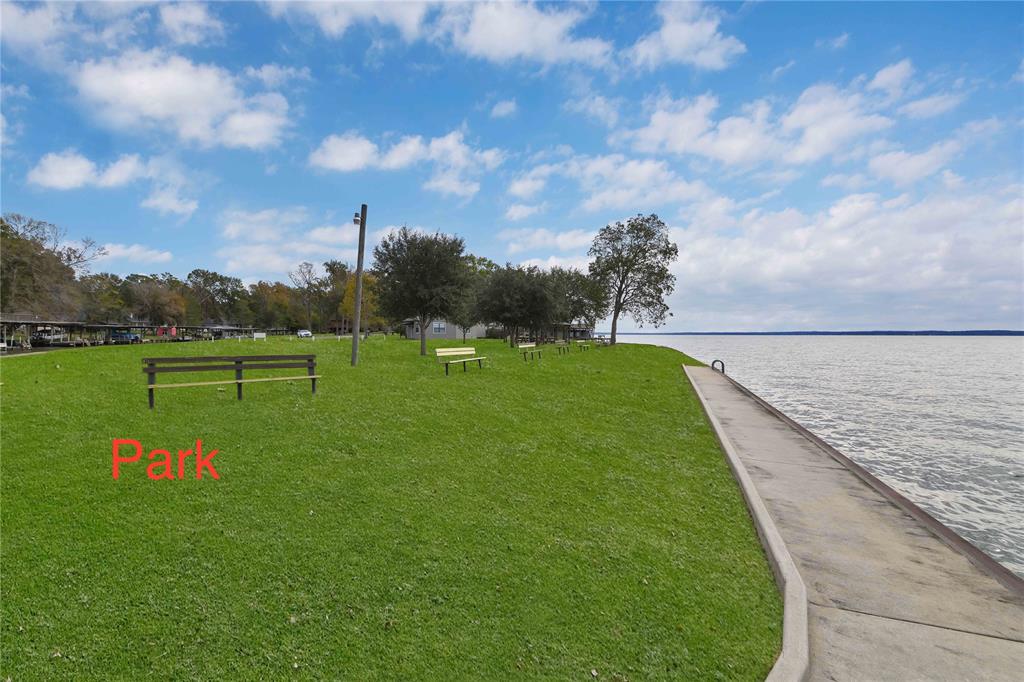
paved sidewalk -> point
(888, 600)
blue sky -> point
(821, 165)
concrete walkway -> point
(888, 598)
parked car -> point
(121, 336)
(305, 334)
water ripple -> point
(940, 419)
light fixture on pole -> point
(360, 220)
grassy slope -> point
(540, 519)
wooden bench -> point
(451, 356)
(227, 363)
(583, 345)
(561, 346)
(530, 348)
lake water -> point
(938, 418)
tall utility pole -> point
(361, 218)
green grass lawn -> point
(542, 520)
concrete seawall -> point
(891, 593)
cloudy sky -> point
(822, 166)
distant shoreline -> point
(881, 332)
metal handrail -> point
(718, 362)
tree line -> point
(42, 274)
(414, 275)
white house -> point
(442, 329)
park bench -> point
(528, 348)
(561, 346)
(451, 356)
(228, 363)
(583, 345)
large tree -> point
(102, 298)
(217, 295)
(369, 312)
(152, 300)
(334, 285)
(632, 260)
(271, 304)
(308, 286)
(420, 276)
(578, 296)
(519, 299)
(38, 269)
(467, 313)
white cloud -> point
(598, 107)
(347, 152)
(137, 253)
(518, 241)
(345, 233)
(10, 91)
(70, 170)
(837, 43)
(455, 164)
(581, 262)
(783, 68)
(825, 119)
(521, 211)
(688, 35)
(64, 170)
(11, 94)
(271, 242)
(189, 23)
(200, 103)
(407, 151)
(274, 261)
(616, 182)
(852, 182)
(712, 213)
(903, 168)
(167, 199)
(277, 75)
(44, 32)
(507, 31)
(267, 225)
(504, 108)
(258, 125)
(822, 122)
(531, 182)
(893, 79)
(685, 127)
(926, 107)
(865, 261)
(980, 128)
(37, 29)
(335, 18)
(127, 168)
(170, 182)
(951, 180)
